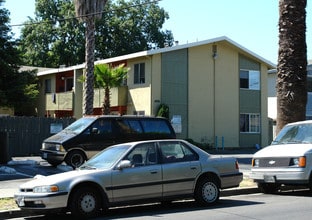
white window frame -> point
(253, 123)
(253, 79)
(139, 73)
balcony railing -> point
(118, 96)
(59, 101)
(65, 100)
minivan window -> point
(151, 126)
(129, 126)
(79, 125)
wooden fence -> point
(23, 136)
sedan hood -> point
(284, 150)
(57, 178)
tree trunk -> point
(88, 92)
(106, 104)
(291, 83)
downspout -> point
(214, 56)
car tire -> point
(85, 203)
(268, 188)
(207, 191)
(75, 158)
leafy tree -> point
(88, 11)
(107, 77)
(291, 84)
(131, 26)
(17, 89)
(54, 37)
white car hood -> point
(284, 150)
(57, 178)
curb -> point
(17, 213)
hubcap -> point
(210, 192)
(88, 203)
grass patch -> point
(7, 204)
(247, 183)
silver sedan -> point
(137, 172)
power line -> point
(87, 15)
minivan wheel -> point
(75, 159)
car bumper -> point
(41, 202)
(51, 156)
(232, 180)
(279, 176)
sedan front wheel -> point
(85, 203)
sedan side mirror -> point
(124, 164)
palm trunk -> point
(291, 83)
(106, 103)
(88, 92)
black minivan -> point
(89, 135)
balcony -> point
(59, 101)
(118, 97)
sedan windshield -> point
(106, 158)
(79, 125)
(292, 134)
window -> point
(250, 79)
(138, 112)
(69, 83)
(139, 73)
(47, 86)
(173, 152)
(250, 123)
(143, 154)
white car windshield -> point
(292, 134)
(79, 125)
(106, 158)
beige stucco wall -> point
(264, 107)
(139, 96)
(209, 76)
(156, 83)
(42, 95)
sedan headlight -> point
(46, 189)
(298, 162)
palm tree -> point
(87, 11)
(107, 77)
(291, 83)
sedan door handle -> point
(154, 171)
(193, 168)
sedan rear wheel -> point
(207, 192)
(85, 203)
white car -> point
(287, 161)
(156, 170)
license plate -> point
(45, 156)
(20, 201)
(269, 179)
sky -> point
(251, 23)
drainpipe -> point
(214, 56)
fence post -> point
(4, 158)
